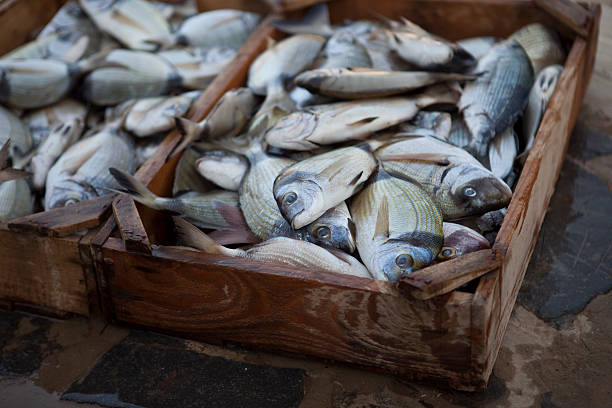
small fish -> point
(457, 182)
(353, 83)
(132, 22)
(226, 119)
(502, 152)
(42, 121)
(282, 61)
(15, 200)
(151, 116)
(478, 46)
(280, 250)
(197, 67)
(398, 226)
(429, 123)
(223, 168)
(221, 28)
(493, 102)
(13, 129)
(344, 121)
(135, 74)
(60, 139)
(186, 176)
(460, 240)
(81, 173)
(539, 96)
(541, 44)
(306, 189)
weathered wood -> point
(447, 276)
(132, 231)
(289, 5)
(569, 13)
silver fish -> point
(477, 46)
(197, 67)
(539, 96)
(42, 121)
(132, 22)
(15, 200)
(225, 28)
(353, 83)
(493, 102)
(429, 123)
(280, 250)
(283, 60)
(150, 116)
(343, 50)
(13, 129)
(60, 139)
(398, 226)
(343, 121)
(460, 240)
(333, 229)
(306, 189)
(502, 152)
(541, 44)
(81, 173)
(456, 181)
(225, 169)
(186, 176)
(226, 119)
(137, 74)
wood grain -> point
(130, 226)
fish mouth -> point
(297, 222)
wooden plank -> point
(447, 276)
(64, 221)
(569, 13)
(132, 231)
(290, 5)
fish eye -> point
(469, 192)
(290, 198)
(447, 252)
(323, 232)
(404, 261)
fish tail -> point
(190, 130)
(190, 235)
(132, 186)
(316, 21)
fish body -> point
(14, 130)
(339, 122)
(197, 67)
(460, 240)
(478, 46)
(493, 102)
(542, 45)
(225, 27)
(151, 116)
(456, 181)
(186, 176)
(343, 50)
(15, 200)
(223, 168)
(429, 123)
(459, 134)
(132, 22)
(42, 121)
(306, 189)
(145, 149)
(398, 227)
(283, 60)
(502, 152)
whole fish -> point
(502, 152)
(429, 123)
(81, 173)
(477, 46)
(279, 250)
(457, 182)
(343, 121)
(493, 102)
(42, 121)
(353, 83)
(150, 116)
(197, 67)
(136, 74)
(223, 168)
(13, 129)
(15, 200)
(398, 226)
(541, 44)
(69, 18)
(283, 60)
(60, 139)
(186, 176)
(306, 189)
(226, 119)
(132, 22)
(539, 96)
(460, 240)
(225, 28)
(33, 83)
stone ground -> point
(557, 351)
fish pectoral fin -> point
(331, 171)
(356, 179)
(428, 158)
(363, 121)
(382, 219)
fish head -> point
(69, 192)
(292, 131)
(334, 228)
(547, 80)
(299, 198)
(460, 240)
(395, 258)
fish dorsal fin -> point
(382, 219)
(333, 170)
(427, 158)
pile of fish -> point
(99, 87)
(372, 148)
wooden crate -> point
(45, 258)
(422, 327)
